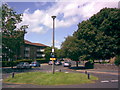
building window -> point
(40, 50)
(27, 55)
(40, 55)
(43, 55)
(27, 49)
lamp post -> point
(53, 49)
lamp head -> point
(53, 17)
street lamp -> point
(53, 49)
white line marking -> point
(66, 72)
(114, 80)
(104, 81)
(1, 80)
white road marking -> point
(66, 72)
(105, 81)
(114, 80)
(1, 80)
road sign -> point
(52, 58)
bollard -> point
(85, 72)
(60, 70)
(88, 76)
(13, 74)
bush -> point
(117, 60)
(42, 61)
(14, 63)
(9, 63)
(89, 65)
(25, 60)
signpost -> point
(52, 58)
(53, 49)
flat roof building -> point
(32, 50)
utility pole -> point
(53, 49)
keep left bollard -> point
(88, 76)
(60, 70)
(85, 72)
(13, 74)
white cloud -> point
(37, 29)
(73, 12)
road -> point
(106, 80)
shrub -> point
(9, 63)
(117, 60)
(89, 65)
(25, 60)
(14, 63)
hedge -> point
(117, 60)
(14, 63)
(9, 63)
(89, 65)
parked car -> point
(50, 63)
(67, 64)
(23, 65)
(58, 63)
(35, 64)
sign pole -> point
(53, 44)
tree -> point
(86, 35)
(12, 37)
(70, 49)
(101, 33)
(107, 22)
(96, 38)
(117, 60)
(48, 53)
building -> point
(32, 50)
(27, 51)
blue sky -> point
(38, 16)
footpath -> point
(100, 69)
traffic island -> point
(43, 78)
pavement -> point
(96, 71)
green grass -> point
(42, 78)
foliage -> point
(59, 78)
(89, 65)
(48, 52)
(96, 38)
(117, 60)
(10, 33)
(14, 63)
(9, 63)
(70, 48)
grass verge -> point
(42, 78)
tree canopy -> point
(96, 38)
(12, 37)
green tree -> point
(70, 49)
(48, 53)
(117, 60)
(96, 38)
(101, 34)
(86, 35)
(12, 37)
(107, 22)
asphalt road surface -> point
(108, 79)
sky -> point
(68, 15)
